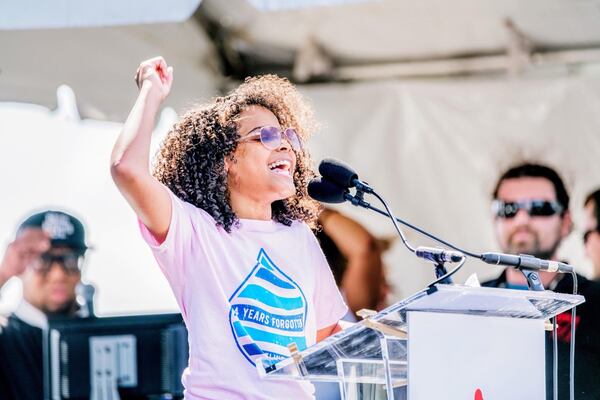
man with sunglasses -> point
(46, 255)
(531, 216)
(591, 236)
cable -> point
(408, 245)
(394, 219)
(572, 349)
(449, 274)
(554, 360)
(417, 229)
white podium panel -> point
(453, 356)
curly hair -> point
(191, 161)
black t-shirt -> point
(21, 365)
(587, 340)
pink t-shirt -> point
(242, 295)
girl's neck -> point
(245, 208)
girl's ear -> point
(229, 161)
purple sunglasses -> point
(271, 137)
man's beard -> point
(534, 249)
(65, 311)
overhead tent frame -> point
(400, 39)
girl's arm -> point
(328, 331)
(130, 159)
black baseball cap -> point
(62, 228)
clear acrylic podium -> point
(445, 342)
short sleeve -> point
(328, 302)
(171, 253)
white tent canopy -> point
(99, 65)
(36, 14)
(356, 40)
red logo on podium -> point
(478, 395)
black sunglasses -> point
(70, 262)
(535, 208)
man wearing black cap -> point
(46, 254)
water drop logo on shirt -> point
(268, 312)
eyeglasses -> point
(271, 137)
(535, 208)
(70, 262)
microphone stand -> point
(441, 271)
(533, 281)
(344, 177)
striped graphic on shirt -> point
(268, 312)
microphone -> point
(325, 191)
(342, 174)
(338, 177)
(439, 256)
(85, 299)
(525, 261)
